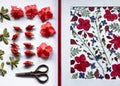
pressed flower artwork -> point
(95, 42)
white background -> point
(66, 78)
(10, 79)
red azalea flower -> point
(16, 12)
(44, 50)
(83, 24)
(47, 30)
(109, 16)
(31, 11)
(116, 70)
(45, 14)
(82, 64)
(116, 41)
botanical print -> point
(95, 42)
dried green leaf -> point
(3, 72)
(5, 41)
(3, 10)
(2, 65)
(1, 37)
(1, 52)
(6, 17)
(5, 33)
(1, 57)
(8, 63)
(1, 18)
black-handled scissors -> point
(37, 73)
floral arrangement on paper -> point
(95, 42)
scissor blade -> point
(23, 74)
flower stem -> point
(89, 50)
(101, 42)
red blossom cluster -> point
(31, 11)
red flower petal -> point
(82, 58)
(29, 27)
(77, 59)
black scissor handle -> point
(38, 77)
(42, 66)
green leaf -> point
(90, 58)
(1, 58)
(74, 51)
(1, 18)
(5, 33)
(5, 41)
(1, 52)
(75, 76)
(6, 17)
(1, 37)
(118, 55)
(2, 65)
(3, 72)
(90, 75)
(115, 27)
(3, 10)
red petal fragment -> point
(29, 53)
(15, 36)
(74, 18)
(90, 35)
(15, 51)
(72, 41)
(28, 45)
(28, 63)
(18, 29)
(29, 34)
(29, 27)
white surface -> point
(66, 78)
(52, 62)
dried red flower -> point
(29, 53)
(28, 45)
(29, 34)
(28, 63)
(14, 45)
(47, 30)
(16, 12)
(16, 28)
(30, 27)
(44, 50)
(15, 36)
(15, 51)
(82, 64)
(116, 70)
(109, 16)
(31, 11)
(83, 24)
(115, 41)
(45, 14)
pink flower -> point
(44, 50)
(31, 11)
(47, 30)
(116, 41)
(116, 70)
(83, 24)
(16, 12)
(45, 14)
(82, 64)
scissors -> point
(37, 74)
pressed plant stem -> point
(89, 50)
(101, 42)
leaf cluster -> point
(2, 70)
(1, 53)
(4, 36)
(3, 14)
